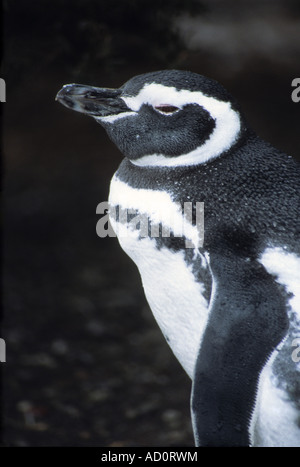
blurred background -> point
(86, 363)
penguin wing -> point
(247, 320)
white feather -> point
(159, 208)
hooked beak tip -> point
(96, 102)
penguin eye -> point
(166, 109)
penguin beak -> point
(96, 102)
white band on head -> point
(224, 135)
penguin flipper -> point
(247, 321)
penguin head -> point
(167, 118)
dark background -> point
(86, 363)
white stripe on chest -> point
(175, 297)
(286, 267)
(158, 207)
(276, 419)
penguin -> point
(223, 286)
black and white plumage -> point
(230, 306)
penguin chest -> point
(174, 293)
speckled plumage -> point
(228, 307)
